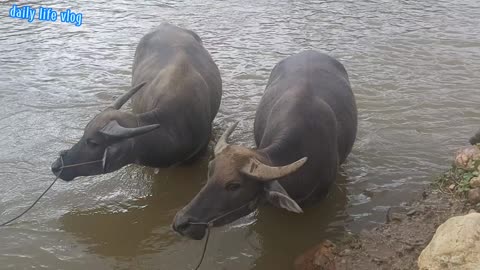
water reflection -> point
(142, 226)
(413, 66)
(144, 223)
(296, 233)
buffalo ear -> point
(278, 196)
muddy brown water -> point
(414, 67)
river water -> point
(414, 67)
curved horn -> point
(125, 97)
(260, 171)
(222, 142)
(115, 130)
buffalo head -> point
(238, 178)
(106, 145)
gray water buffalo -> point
(305, 127)
(175, 96)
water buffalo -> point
(305, 127)
(176, 95)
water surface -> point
(414, 67)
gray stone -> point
(455, 245)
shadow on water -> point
(141, 226)
(283, 235)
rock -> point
(411, 212)
(399, 252)
(378, 261)
(346, 252)
(355, 245)
(397, 217)
(451, 187)
(473, 196)
(475, 182)
(466, 157)
(320, 257)
(455, 245)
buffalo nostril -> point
(56, 166)
(181, 223)
(181, 227)
(190, 227)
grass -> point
(457, 180)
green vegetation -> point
(464, 174)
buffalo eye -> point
(232, 186)
(91, 142)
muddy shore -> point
(396, 244)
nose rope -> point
(80, 164)
(210, 225)
(49, 187)
(204, 248)
(103, 160)
(38, 199)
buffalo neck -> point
(280, 149)
(264, 156)
(159, 147)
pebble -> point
(378, 261)
(346, 252)
(396, 217)
(411, 212)
(320, 257)
(474, 195)
(399, 252)
(409, 248)
(475, 182)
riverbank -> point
(397, 244)
(408, 229)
